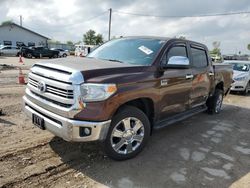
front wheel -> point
(128, 133)
(247, 89)
(214, 103)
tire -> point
(124, 143)
(55, 56)
(64, 55)
(214, 103)
(29, 55)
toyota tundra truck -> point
(123, 90)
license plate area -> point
(38, 121)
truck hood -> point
(73, 64)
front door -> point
(176, 83)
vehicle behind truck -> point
(123, 90)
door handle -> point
(189, 76)
(211, 74)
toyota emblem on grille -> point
(41, 86)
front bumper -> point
(65, 128)
(239, 85)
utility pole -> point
(21, 20)
(110, 14)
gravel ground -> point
(202, 151)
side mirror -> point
(178, 61)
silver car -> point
(241, 76)
(9, 50)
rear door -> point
(175, 86)
(202, 73)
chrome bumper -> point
(67, 129)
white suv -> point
(241, 76)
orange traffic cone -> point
(21, 77)
(21, 59)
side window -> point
(7, 43)
(199, 57)
(177, 51)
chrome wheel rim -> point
(127, 135)
(218, 103)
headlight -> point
(96, 92)
(240, 78)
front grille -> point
(58, 89)
(69, 94)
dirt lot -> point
(202, 151)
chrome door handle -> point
(211, 74)
(189, 76)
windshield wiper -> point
(115, 60)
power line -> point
(181, 16)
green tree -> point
(248, 46)
(90, 38)
(70, 42)
(216, 50)
(7, 22)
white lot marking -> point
(216, 172)
(226, 124)
(228, 166)
(221, 128)
(209, 178)
(242, 150)
(243, 143)
(185, 153)
(212, 162)
(204, 149)
(177, 177)
(183, 171)
(197, 156)
(125, 182)
(210, 132)
(216, 140)
(204, 135)
(218, 135)
(212, 122)
(224, 156)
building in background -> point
(16, 35)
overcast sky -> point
(67, 20)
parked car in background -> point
(9, 50)
(62, 52)
(39, 52)
(83, 50)
(241, 76)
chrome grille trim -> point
(69, 94)
(62, 88)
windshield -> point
(241, 67)
(127, 50)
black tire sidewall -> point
(127, 111)
(213, 101)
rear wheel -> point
(29, 55)
(214, 103)
(128, 134)
(55, 56)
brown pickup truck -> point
(124, 90)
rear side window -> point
(177, 51)
(199, 57)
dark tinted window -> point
(31, 44)
(199, 57)
(177, 51)
(7, 48)
(7, 43)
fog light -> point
(85, 131)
